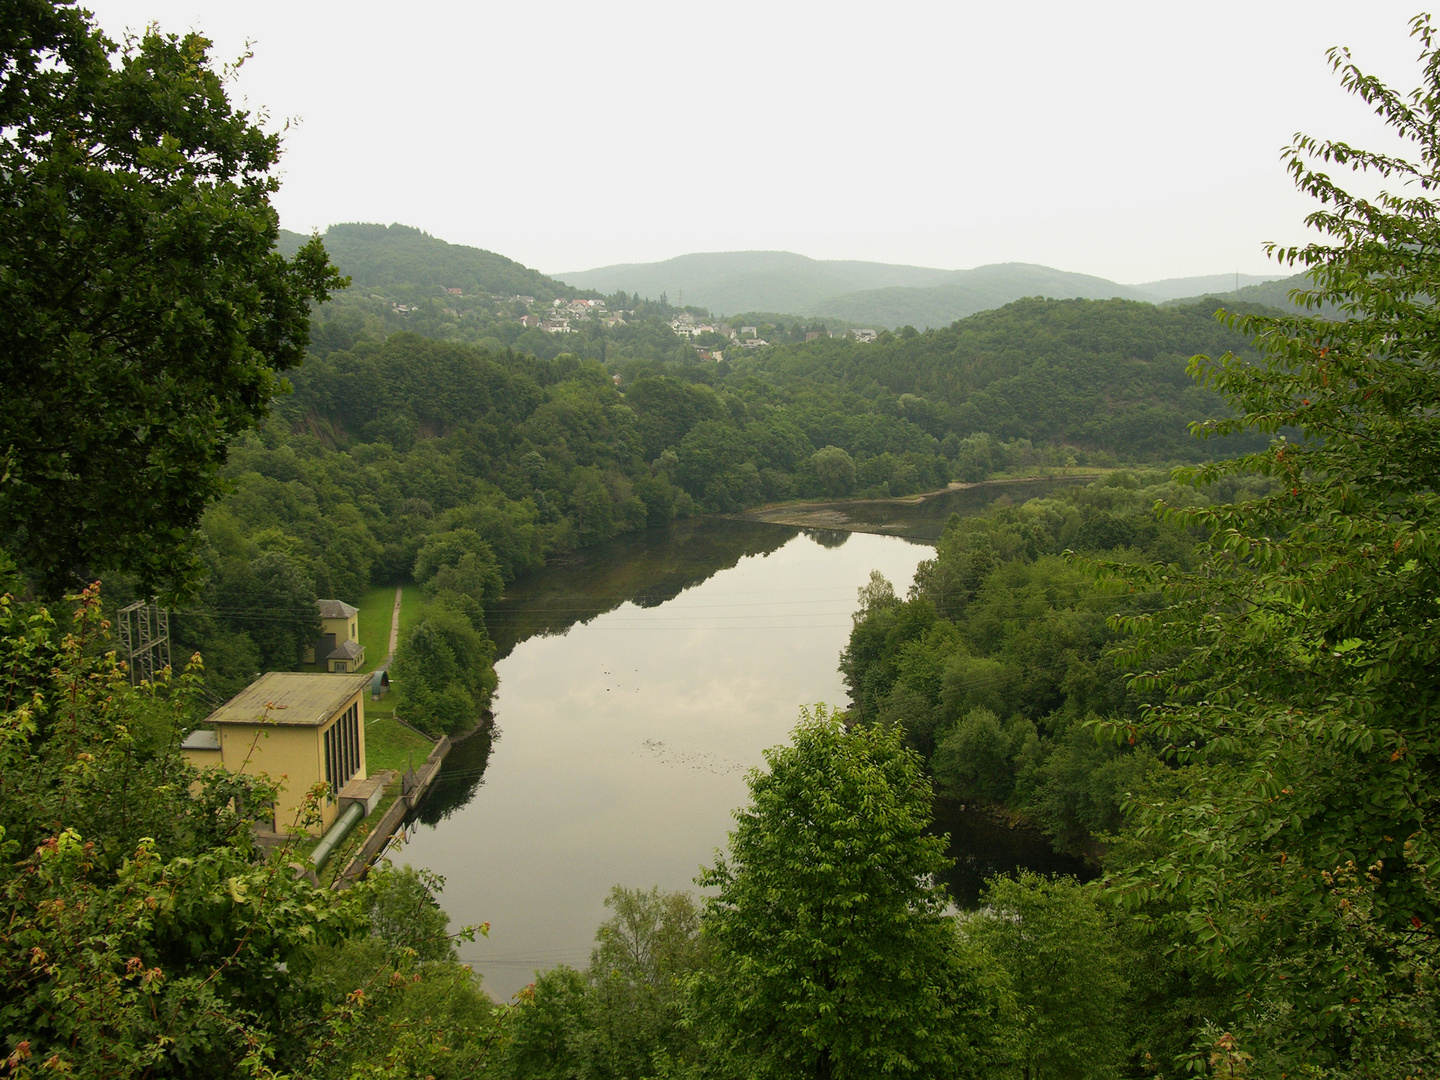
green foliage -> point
(1065, 970)
(553, 1031)
(1093, 375)
(144, 932)
(270, 599)
(399, 257)
(392, 438)
(402, 910)
(622, 1017)
(459, 561)
(646, 951)
(1295, 854)
(835, 470)
(830, 953)
(974, 759)
(996, 660)
(144, 314)
(444, 668)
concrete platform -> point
(367, 792)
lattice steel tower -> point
(145, 637)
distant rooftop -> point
(289, 698)
(335, 609)
(203, 739)
(346, 650)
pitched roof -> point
(335, 609)
(346, 650)
(289, 698)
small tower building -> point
(339, 647)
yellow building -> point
(339, 647)
(298, 729)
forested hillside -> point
(1268, 294)
(406, 281)
(880, 295)
(407, 263)
(1099, 375)
(865, 294)
(400, 456)
(1230, 698)
(1204, 285)
(461, 467)
(1001, 651)
(965, 292)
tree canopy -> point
(1297, 666)
(144, 315)
(831, 954)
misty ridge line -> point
(905, 274)
(860, 293)
(883, 294)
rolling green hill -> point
(881, 295)
(1270, 294)
(1095, 374)
(1194, 287)
(966, 292)
(731, 281)
(406, 263)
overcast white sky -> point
(1135, 141)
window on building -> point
(342, 750)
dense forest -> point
(389, 444)
(1221, 685)
(1000, 657)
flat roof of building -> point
(292, 698)
(201, 739)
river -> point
(639, 682)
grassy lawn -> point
(375, 607)
(409, 615)
(389, 745)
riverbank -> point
(888, 516)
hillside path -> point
(394, 627)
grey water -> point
(639, 682)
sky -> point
(1134, 141)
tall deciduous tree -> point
(1299, 844)
(1064, 968)
(144, 313)
(832, 955)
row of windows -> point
(342, 750)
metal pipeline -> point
(336, 836)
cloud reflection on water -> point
(576, 796)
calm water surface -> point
(639, 683)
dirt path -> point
(394, 627)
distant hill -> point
(1271, 294)
(405, 263)
(397, 258)
(966, 292)
(1099, 374)
(865, 293)
(732, 281)
(1207, 285)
